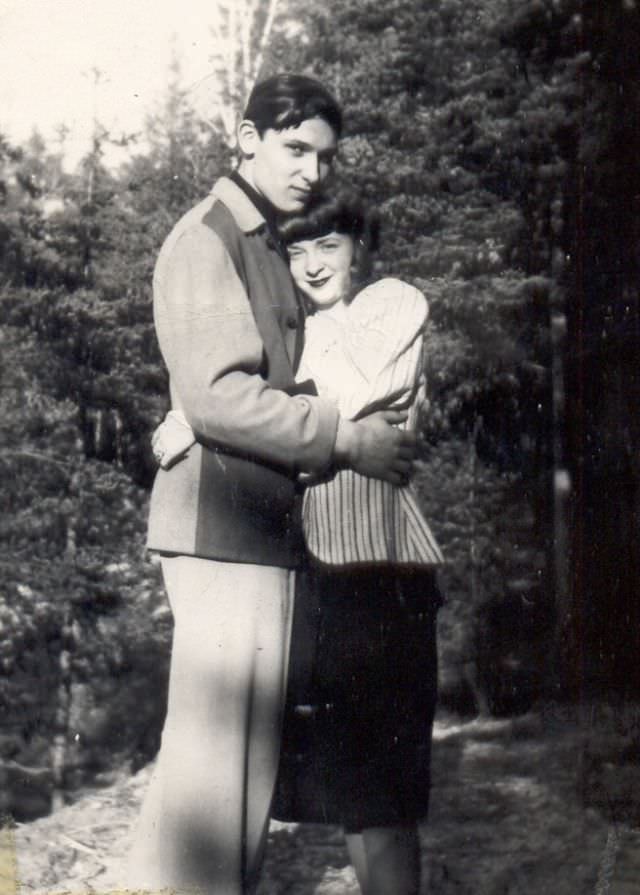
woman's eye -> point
(329, 246)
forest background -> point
(499, 143)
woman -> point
(363, 666)
(368, 599)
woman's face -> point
(321, 267)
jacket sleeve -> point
(214, 354)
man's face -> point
(288, 164)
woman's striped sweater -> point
(368, 358)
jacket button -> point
(292, 322)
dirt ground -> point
(508, 816)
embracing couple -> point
(295, 382)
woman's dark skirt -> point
(356, 746)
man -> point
(224, 517)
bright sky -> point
(49, 47)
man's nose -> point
(311, 168)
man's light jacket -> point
(230, 329)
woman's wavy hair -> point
(340, 213)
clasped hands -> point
(373, 446)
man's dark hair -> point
(287, 100)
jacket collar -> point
(244, 212)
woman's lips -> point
(317, 284)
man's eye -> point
(295, 150)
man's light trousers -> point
(204, 822)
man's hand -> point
(373, 447)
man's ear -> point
(248, 138)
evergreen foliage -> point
(83, 387)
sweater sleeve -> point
(384, 346)
(214, 354)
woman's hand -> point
(172, 439)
